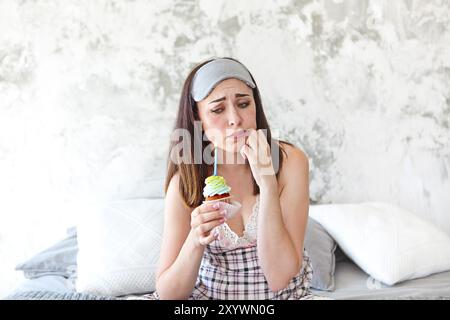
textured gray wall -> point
(89, 91)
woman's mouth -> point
(238, 134)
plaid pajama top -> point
(230, 269)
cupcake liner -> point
(231, 206)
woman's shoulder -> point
(295, 163)
(292, 154)
(173, 197)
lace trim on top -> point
(230, 240)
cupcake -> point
(217, 190)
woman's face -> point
(227, 110)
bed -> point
(53, 273)
(351, 283)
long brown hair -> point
(192, 175)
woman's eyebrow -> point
(237, 95)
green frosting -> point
(215, 185)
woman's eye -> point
(240, 105)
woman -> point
(258, 253)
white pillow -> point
(119, 245)
(387, 242)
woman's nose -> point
(234, 119)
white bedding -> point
(353, 283)
(45, 283)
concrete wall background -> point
(89, 91)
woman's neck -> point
(232, 163)
(233, 169)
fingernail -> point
(216, 206)
(223, 212)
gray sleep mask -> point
(210, 74)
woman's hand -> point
(205, 218)
(257, 151)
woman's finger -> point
(207, 217)
(210, 216)
(208, 207)
(248, 153)
(264, 154)
(204, 240)
(208, 226)
(252, 139)
(262, 139)
(204, 217)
